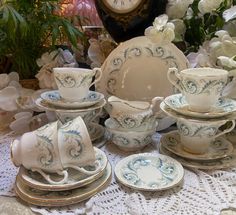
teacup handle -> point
(96, 114)
(49, 180)
(173, 76)
(98, 75)
(156, 101)
(226, 130)
(87, 172)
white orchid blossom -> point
(208, 6)
(176, 9)
(229, 14)
(162, 31)
(227, 61)
(180, 29)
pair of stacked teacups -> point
(131, 123)
(56, 150)
(198, 123)
(73, 97)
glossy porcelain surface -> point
(62, 198)
(75, 179)
(74, 83)
(53, 97)
(202, 87)
(178, 103)
(128, 140)
(219, 148)
(137, 70)
(149, 172)
(132, 114)
(226, 162)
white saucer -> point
(75, 178)
(226, 162)
(224, 106)
(218, 149)
(42, 104)
(62, 198)
(172, 113)
(150, 172)
(53, 97)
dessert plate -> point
(218, 149)
(62, 198)
(53, 97)
(75, 179)
(226, 162)
(178, 103)
(150, 172)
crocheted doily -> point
(202, 192)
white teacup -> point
(74, 83)
(42, 150)
(196, 135)
(202, 87)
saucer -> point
(218, 149)
(62, 198)
(226, 162)
(172, 113)
(75, 178)
(46, 106)
(177, 102)
(53, 97)
(149, 171)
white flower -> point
(176, 9)
(230, 14)
(8, 97)
(162, 31)
(227, 62)
(208, 6)
(202, 58)
(180, 29)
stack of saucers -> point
(59, 166)
(203, 117)
(131, 123)
(73, 99)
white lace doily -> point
(201, 192)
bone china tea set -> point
(203, 117)
(59, 164)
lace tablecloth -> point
(202, 192)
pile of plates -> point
(220, 154)
(33, 188)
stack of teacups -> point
(73, 97)
(200, 112)
(131, 123)
(52, 156)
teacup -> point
(132, 114)
(43, 150)
(129, 140)
(74, 83)
(196, 135)
(202, 87)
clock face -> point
(122, 6)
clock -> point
(122, 6)
(125, 19)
